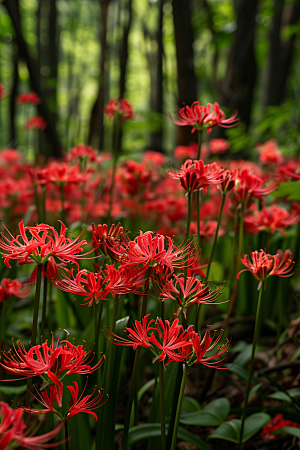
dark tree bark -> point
(12, 7)
(96, 130)
(124, 50)
(186, 79)
(281, 52)
(12, 102)
(156, 139)
(236, 90)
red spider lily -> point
(47, 397)
(84, 404)
(270, 220)
(263, 265)
(116, 106)
(36, 122)
(163, 339)
(82, 152)
(187, 291)
(96, 287)
(270, 153)
(198, 349)
(76, 405)
(290, 170)
(227, 183)
(248, 185)
(54, 362)
(218, 146)
(150, 249)
(276, 423)
(204, 118)
(13, 431)
(207, 229)
(12, 288)
(194, 175)
(28, 97)
(43, 242)
(101, 235)
(63, 174)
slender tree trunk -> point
(156, 142)
(236, 90)
(96, 120)
(12, 7)
(12, 101)
(124, 50)
(186, 78)
(281, 51)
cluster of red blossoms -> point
(276, 423)
(14, 433)
(122, 107)
(170, 342)
(52, 363)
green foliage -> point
(230, 431)
(291, 190)
(211, 415)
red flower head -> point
(270, 220)
(82, 152)
(197, 352)
(248, 185)
(13, 431)
(97, 287)
(269, 153)
(151, 250)
(10, 288)
(276, 423)
(187, 291)
(102, 237)
(204, 118)
(54, 393)
(39, 243)
(161, 337)
(190, 151)
(36, 122)
(194, 175)
(52, 362)
(28, 97)
(263, 265)
(218, 146)
(122, 107)
(62, 174)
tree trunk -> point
(12, 7)
(96, 130)
(156, 139)
(236, 90)
(186, 79)
(12, 101)
(281, 52)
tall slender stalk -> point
(44, 311)
(250, 374)
(236, 282)
(67, 447)
(197, 196)
(179, 405)
(216, 237)
(63, 209)
(34, 323)
(162, 405)
(189, 214)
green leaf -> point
(189, 405)
(290, 189)
(145, 388)
(289, 430)
(13, 390)
(230, 431)
(211, 415)
(294, 393)
(152, 430)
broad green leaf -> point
(189, 405)
(294, 393)
(211, 415)
(289, 430)
(230, 431)
(152, 430)
(290, 189)
(145, 388)
(13, 390)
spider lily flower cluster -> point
(170, 342)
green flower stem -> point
(34, 324)
(67, 447)
(216, 237)
(250, 374)
(97, 323)
(44, 311)
(131, 397)
(43, 208)
(197, 196)
(37, 203)
(189, 214)
(236, 282)
(3, 324)
(179, 405)
(63, 209)
(200, 136)
(236, 214)
(116, 154)
(176, 392)
(162, 405)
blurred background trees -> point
(160, 55)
